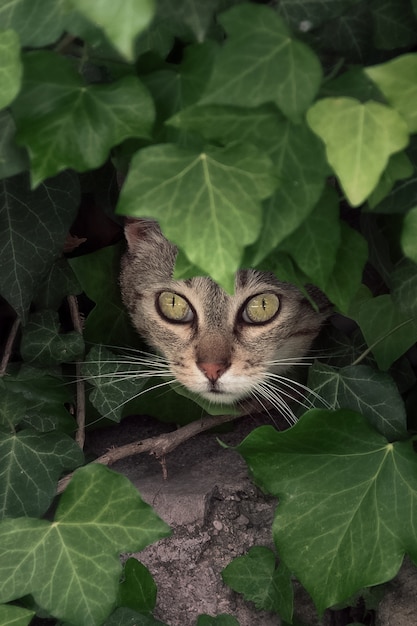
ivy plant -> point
(279, 136)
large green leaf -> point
(397, 81)
(13, 159)
(66, 124)
(261, 62)
(388, 331)
(308, 15)
(33, 227)
(310, 245)
(115, 380)
(10, 67)
(122, 23)
(128, 617)
(219, 620)
(37, 22)
(256, 576)
(11, 615)
(409, 235)
(347, 501)
(187, 19)
(138, 589)
(359, 140)
(42, 342)
(99, 516)
(364, 389)
(30, 465)
(206, 202)
(394, 24)
(98, 275)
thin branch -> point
(158, 446)
(80, 390)
(9, 346)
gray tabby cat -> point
(223, 347)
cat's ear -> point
(139, 231)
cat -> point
(224, 348)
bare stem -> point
(9, 346)
(80, 390)
(158, 446)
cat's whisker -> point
(298, 387)
(277, 401)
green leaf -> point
(409, 235)
(58, 284)
(359, 140)
(309, 15)
(388, 331)
(276, 67)
(404, 287)
(365, 390)
(116, 381)
(37, 22)
(12, 407)
(399, 167)
(13, 159)
(346, 277)
(10, 67)
(137, 591)
(397, 81)
(56, 111)
(122, 23)
(98, 275)
(99, 516)
(310, 245)
(353, 83)
(394, 24)
(11, 615)
(217, 193)
(42, 342)
(256, 577)
(30, 465)
(26, 252)
(347, 499)
(187, 19)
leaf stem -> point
(9, 346)
(80, 388)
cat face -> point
(220, 346)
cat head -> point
(217, 345)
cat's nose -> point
(213, 371)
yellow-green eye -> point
(261, 308)
(175, 307)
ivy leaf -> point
(67, 124)
(359, 140)
(397, 81)
(399, 167)
(10, 68)
(216, 192)
(42, 342)
(219, 620)
(99, 516)
(187, 18)
(122, 23)
(389, 332)
(138, 589)
(58, 284)
(394, 24)
(98, 275)
(256, 577)
(409, 235)
(11, 615)
(276, 67)
(26, 254)
(310, 245)
(346, 277)
(404, 287)
(30, 465)
(365, 390)
(347, 499)
(13, 159)
(116, 381)
(308, 15)
(37, 22)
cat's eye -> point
(174, 307)
(261, 308)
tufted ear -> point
(139, 230)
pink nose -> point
(213, 371)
